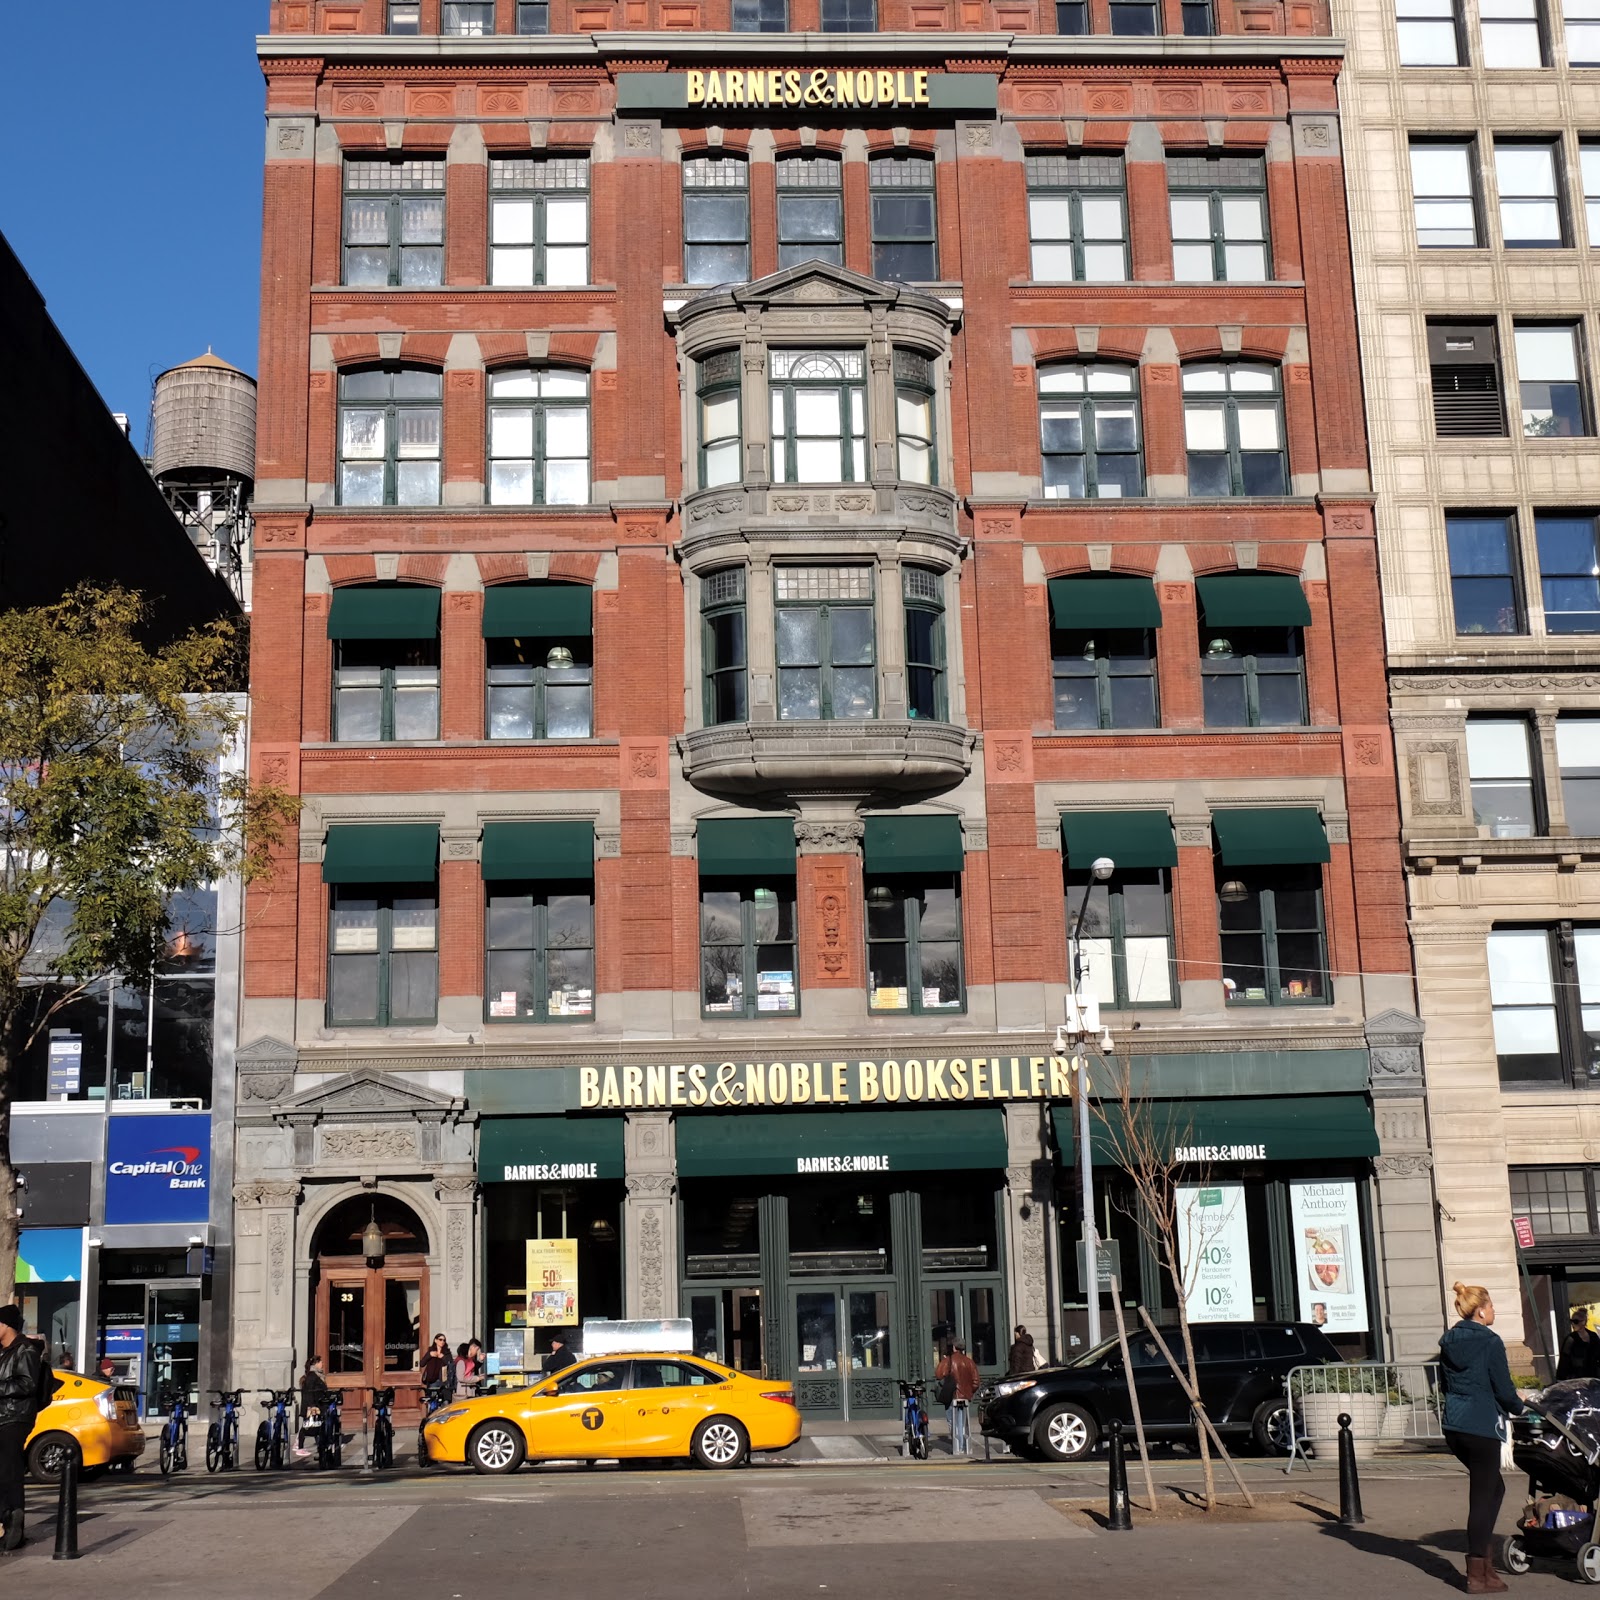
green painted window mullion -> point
(385, 950)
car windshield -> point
(1093, 1354)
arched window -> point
(391, 426)
(1089, 432)
(819, 415)
(1233, 428)
(538, 437)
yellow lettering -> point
(885, 88)
(902, 89)
(800, 1083)
(913, 1080)
(841, 1083)
(588, 1088)
(890, 1072)
(733, 87)
(697, 1085)
(778, 1083)
(755, 1085)
(866, 82)
(920, 82)
(844, 88)
(695, 91)
(980, 1078)
(791, 89)
(1036, 1077)
(868, 1073)
(1016, 1079)
(609, 1095)
(675, 1095)
(633, 1086)
(958, 1079)
(713, 88)
(936, 1088)
(755, 84)
(774, 87)
(1060, 1078)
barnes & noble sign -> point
(810, 91)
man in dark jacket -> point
(560, 1356)
(19, 1399)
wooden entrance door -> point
(371, 1323)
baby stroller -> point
(1556, 1441)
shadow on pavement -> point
(1425, 1552)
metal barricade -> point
(1391, 1405)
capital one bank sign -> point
(158, 1168)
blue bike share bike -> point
(272, 1437)
(382, 1428)
(222, 1437)
(174, 1433)
(330, 1440)
(914, 1420)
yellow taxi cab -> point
(619, 1407)
(101, 1417)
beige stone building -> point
(1472, 134)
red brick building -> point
(746, 518)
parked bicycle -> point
(174, 1433)
(914, 1420)
(330, 1440)
(382, 1428)
(272, 1437)
(222, 1437)
(434, 1398)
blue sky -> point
(132, 185)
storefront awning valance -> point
(398, 852)
(746, 847)
(1259, 600)
(549, 1149)
(384, 613)
(818, 1143)
(1224, 1132)
(538, 611)
(1130, 838)
(913, 844)
(1080, 603)
(538, 850)
(1275, 836)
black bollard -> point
(1349, 1483)
(67, 1507)
(1117, 1516)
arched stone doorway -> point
(370, 1316)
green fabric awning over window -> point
(746, 847)
(1276, 836)
(549, 1149)
(399, 852)
(538, 850)
(1226, 1132)
(1130, 838)
(538, 611)
(829, 1142)
(913, 844)
(1104, 603)
(1259, 600)
(384, 613)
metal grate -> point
(723, 587)
(392, 177)
(920, 584)
(1467, 402)
(808, 172)
(902, 172)
(715, 172)
(1074, 172)
(823, 583)
(524, 172)
(722, 366)
(1216, 172)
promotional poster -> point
(1329, 1269)
(1214, 1252)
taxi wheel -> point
(46, 1454)
(720, 1442)
(496, 1447)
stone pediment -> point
(369, 1097)
(815, 284)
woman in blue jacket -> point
(1478, 1396)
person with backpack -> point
(26, 1384)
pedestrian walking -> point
(314, 1395)
(20, 1368)
(1023, 1357)
(559, 1355)
(957, 1377)
(1478, 1396)
(1580, 1351)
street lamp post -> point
(1083, 1021)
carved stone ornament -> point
(370, 1096)
(1417, 1166)
(829, 838)
(636, 136)
(725, 506)
(652, 1264)
(647, 1183)
(455, 1188)
(369, 1144)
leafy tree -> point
(111, 802)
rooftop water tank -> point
(203, 424)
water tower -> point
(203, 452)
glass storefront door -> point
(845, 1348)
(370, 1328)
(727, 1325)
(967, 1312)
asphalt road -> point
(871, 1530)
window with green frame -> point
(538, 437)
(1219, 219)
(1077, 219)
(914, 943)
(905, 245)
(385, 689)
(1252, 677)
(925, 649)
(747, 948)
(723, 645)
(849, 16)
(819, 415)
(538, 220)
(810, 210)
(913, 416)
(383, 955)
(467, 19)
(1273, 947)
(405, 16)
(540, 688)
(1104, 679)
(721, 436)
(394, 223)
(825, 643)
(391, 424)
(716, 220)
(1233, 429)
(1126, 936)
(533, 16)
(1089, 431)
(540, 953)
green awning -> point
(1274, 836)
(1258, 600)
(913, 844)
(1226, 1132)
(1104, 603)
(549, 1149)
(399, 852)
(746, 847)
(384, 613)
(538, 850)
(820, 1143)
(1130, 838)
(537, 611)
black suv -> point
(1059, 1413)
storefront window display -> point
(49, 1288)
